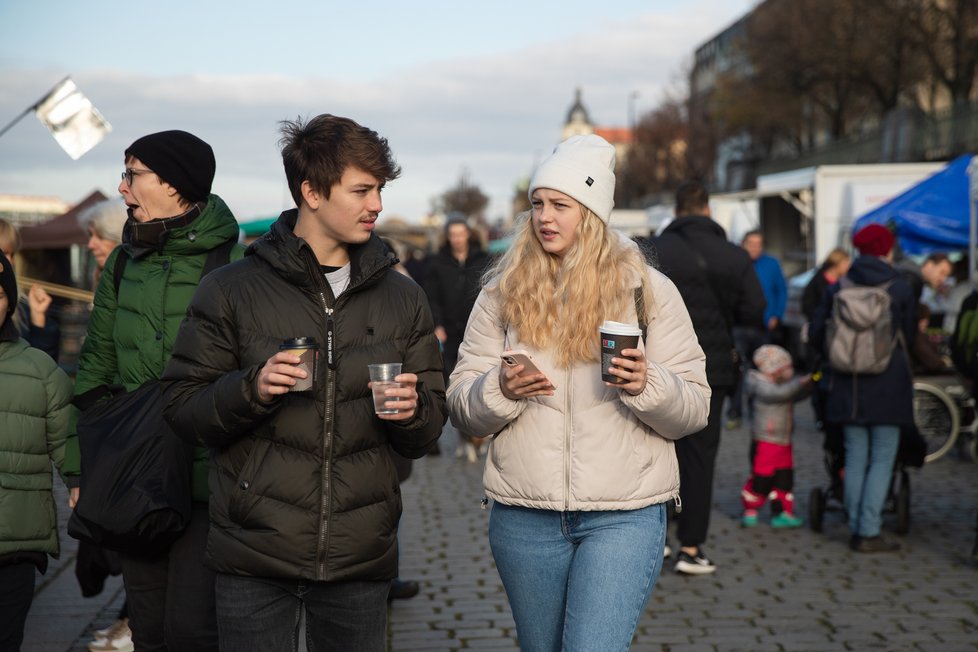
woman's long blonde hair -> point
(558, 303)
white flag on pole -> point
(71, 118)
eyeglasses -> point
(131, 172)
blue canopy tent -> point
(934, 215)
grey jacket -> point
(773, 406)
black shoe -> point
(403, 589)
(873, 544)
(697, 564)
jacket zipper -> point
(567, 440)
(327, 438)
(330, 391)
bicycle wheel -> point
(936, 417)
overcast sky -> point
(480, 87)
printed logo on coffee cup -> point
(608, 344)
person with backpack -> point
(174, 224)
(863, 326)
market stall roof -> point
(60, 232)
(933, 215)
(257, 227)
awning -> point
(60, 232)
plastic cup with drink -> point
(381, 379)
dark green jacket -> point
(304, 487)
(34, 402)
(130, 336)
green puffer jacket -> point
(130, 336)
(35, 396)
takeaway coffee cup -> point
(382, 377)
(308, 351)
(615, 337)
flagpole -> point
(32, 107)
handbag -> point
(136, 473)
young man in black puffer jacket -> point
(304, 495)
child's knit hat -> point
(771, 358)
(9, 284)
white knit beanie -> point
(582, 167)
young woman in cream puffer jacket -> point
(579, 469)
(589, 446)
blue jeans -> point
(262, 615)
(870, 453)
(577, 580)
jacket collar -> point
(693, 225)
(293, 258)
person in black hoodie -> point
(452, 283)
(717, 281)
(304, 495)
(872, 408)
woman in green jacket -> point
(34, 399)
(174, 222)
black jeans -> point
(258, 615)
(697, 454)
(171, 598)
(16, 595)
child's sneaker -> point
(786, 520)
(749, 519)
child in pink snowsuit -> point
(772, 389)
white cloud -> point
(492, 115)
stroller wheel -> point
(816, 509)
(902, 500)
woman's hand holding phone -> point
(520, 378)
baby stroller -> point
(910, 454)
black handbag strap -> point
(643, 323)
(216, 257)
(87, 399)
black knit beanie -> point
(181, 159)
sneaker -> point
(873, 544)
(666, 552)
(117, 638)
(749, 520)
(786, 520)
(732, 423)
(696, 564)
(470, 453)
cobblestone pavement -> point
(786, 591)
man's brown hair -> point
(319, 151)
(692, 199)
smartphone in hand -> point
(521, 357)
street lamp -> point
(632, 97)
